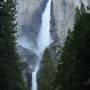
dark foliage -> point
(47, 72)
(10, 68)
(74, 65)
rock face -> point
(26, 9)
(89, 3)
(63, 13)
(28, 57)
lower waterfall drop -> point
(34, 78)
(43, 40)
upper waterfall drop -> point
(43, 40)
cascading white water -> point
(34, 77)
(43, 40)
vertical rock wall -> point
(26, 9)
(63, 12)
(63, 17)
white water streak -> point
(43, 40)
(34, 78)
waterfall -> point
(34, 77)
(43, 40)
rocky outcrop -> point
(28, 60)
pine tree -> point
(74, 65)
(47, 72)
(10, 67)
